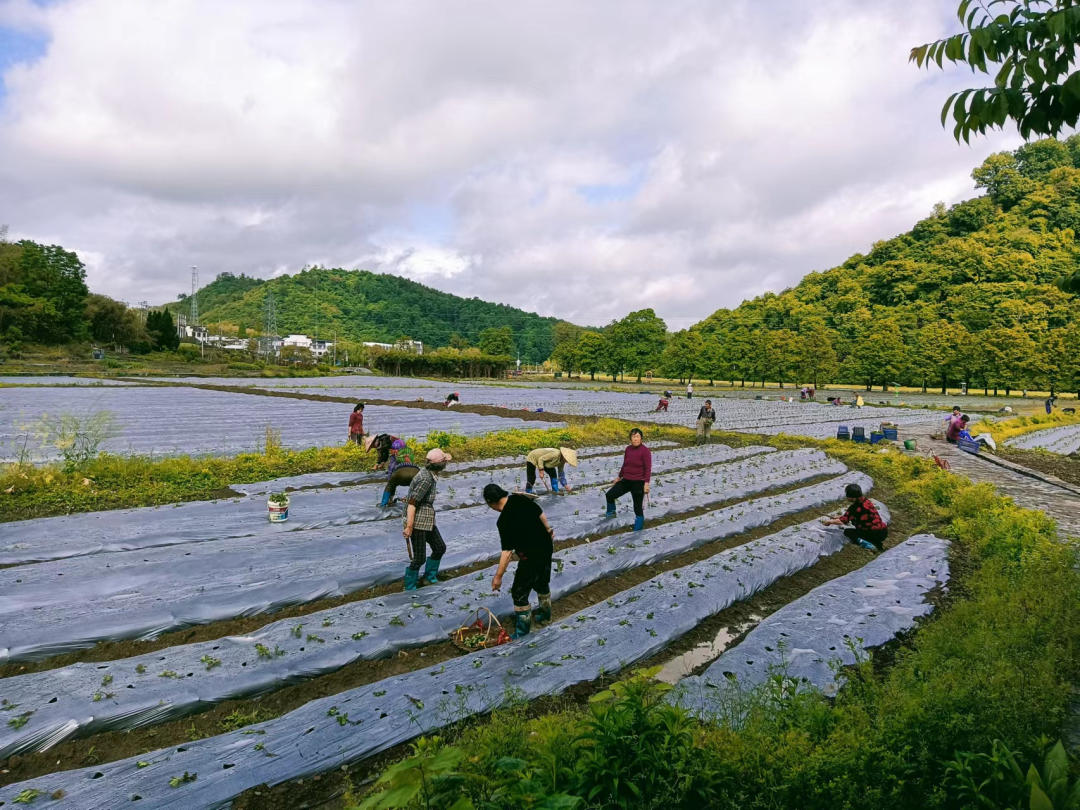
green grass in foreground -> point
(114, 482)
(995, 663)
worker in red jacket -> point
(865, 525)
(356, 424)
(634, 477)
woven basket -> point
(482, 631)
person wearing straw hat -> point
(552, 461)
(420, 530)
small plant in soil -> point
(210, 662)
(20, 721)
(177, 781)
(279, 498)
(141, 669)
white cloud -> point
(576, 159)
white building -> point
(318, 348)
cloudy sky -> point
(579, 159)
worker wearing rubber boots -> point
(550, 461)
(523, 530)
(420, 530)
(634, 477)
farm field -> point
(1061, 440)
(724, 525)
(170, 421)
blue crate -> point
(969, 446)
(892, 434)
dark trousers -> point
(532, 574)
(875, 537)
(636, 490)
(530, 473)
(402, 476)
(421, 539)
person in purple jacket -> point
(634, 477)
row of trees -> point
(444, 362)
(937, 354)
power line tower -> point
(194, 295)
(269, 325)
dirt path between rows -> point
(428, 405)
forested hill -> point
(969, 294)
(359, 305)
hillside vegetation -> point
(359, 305)
(970, 294)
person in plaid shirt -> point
(866, 528)
(420, 529)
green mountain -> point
(975, 293)
(358, 305)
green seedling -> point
(106, 680)
(298, 631)
(313, 637)
(210, 662)
(141, 669)
(168, 674)
(27, 796)
(360, 635)
(142, 763)
(20, 721)
(177, 781)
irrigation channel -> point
(139, 573)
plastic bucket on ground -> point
(278, 511)
(909, 444)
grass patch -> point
(116, 482)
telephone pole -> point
(269, 325)
(194, 295)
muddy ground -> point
(1067, 468)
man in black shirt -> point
(705, 418)
(524, 530)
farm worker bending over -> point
(451, 399)
(634, 477)
(356, 424)
(420, 529)
(663, 403)
(386, 446)
(867, 529)
(523, 530)
(401, 469)
(705, 418)
(551, 461)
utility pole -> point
(269, 325)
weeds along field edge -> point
(117, 482)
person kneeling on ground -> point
(420, 530)
(525, 531)
(552, 461)
(451, 399)
(956, 424)
(705, 418)
(866, 528)
(634, 477)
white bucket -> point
(278, 512)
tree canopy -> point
(1033, 44)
